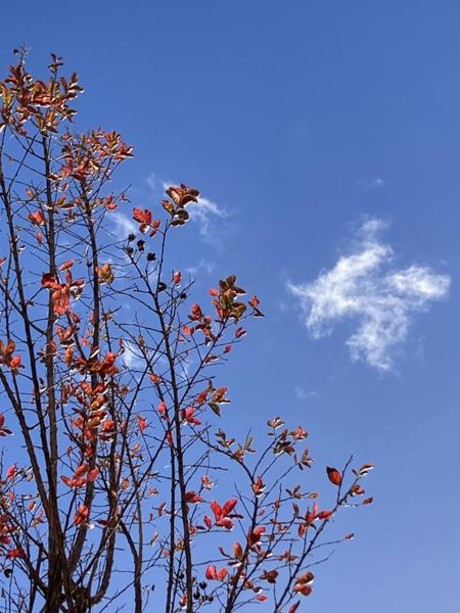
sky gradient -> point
(325, 138)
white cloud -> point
(206, 213)
(131, 357)
(364, 287)
(122, 225)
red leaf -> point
(211, 572)
(225, 523)
(92, 475)
(237, 551)
(37, 218)
(81, 515)
(305, 590)
(16, 363)
(208, 522)
(196, 312)
(258, 487)
(188, 417)
(222, 573)
(193, 497)
(49, 281)
(216, 509)
(67, 265)
(229, 506)
(81, 470)
(143, 216)
(303, 584)
(334, 475)
(142, 423)
(261, 597)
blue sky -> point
(322, 134)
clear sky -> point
(325, 136)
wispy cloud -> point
(122, 225)
(207, 213)
(363, 286)
(302, 394)
(132, 358)
(376, 183)
(205, 266)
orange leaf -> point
(67, 265)
(237, 551)
(155, 378)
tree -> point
(120, 483)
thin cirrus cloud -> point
(365, 287)
(122, 226)
(376, 183)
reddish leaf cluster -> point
(223, 515)
(181, 196)
(61, 293)
(3, 431)
(7, 357)
(83, 475)
(47, 104)
(81, 515)
(102, 444)
(146, 221)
